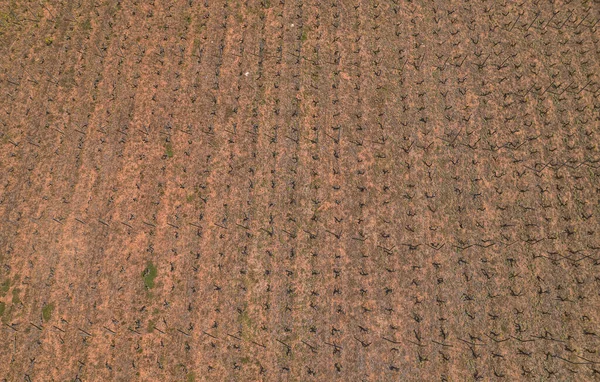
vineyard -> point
(296, 190)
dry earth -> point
(299, 190)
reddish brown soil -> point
(304, 191)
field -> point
(297, 190)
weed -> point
(5, 19)
(86, 25)
(47, 311)
(149, 274)
(15, 296)
(4, 287)
(169, 150)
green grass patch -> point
(2, 308)
(191, 377)
(149, 274)
(304, 36)
(47, 311)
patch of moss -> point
(191, 377)
(2, 308)
(304, 36)
(47, 311)
(150, 327)
(149, 274)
